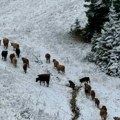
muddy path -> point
(73, 102)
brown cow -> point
(92, 93)
(103, 114)
(5, 42)
(87, 89)
(60, 68)
(15, 45)
(47, 56)
(25, 60)
(25, 67)
(97, 102)
(14, 61)
(55, 63)
(12, 56)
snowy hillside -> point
(42, 26)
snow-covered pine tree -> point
(76, 28)
(106, 48)
(97, 14)
(117, 6)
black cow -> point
(4, 55)
(72, 84)
(85, 79)
(116, 118)
(47, 56)
(17, 52)
(43, 78)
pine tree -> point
(76, 28)
(106, 48)
(97, 14)
(117, 6)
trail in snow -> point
(73, 102)
(42, 26)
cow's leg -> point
(44, 83)
(5, 58)
(47, 85)
(40, 82)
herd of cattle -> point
(12, 56)
(89, 92)
(45, 78)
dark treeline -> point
(97, 14)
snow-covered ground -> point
(42, 26)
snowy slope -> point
(41, 26)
